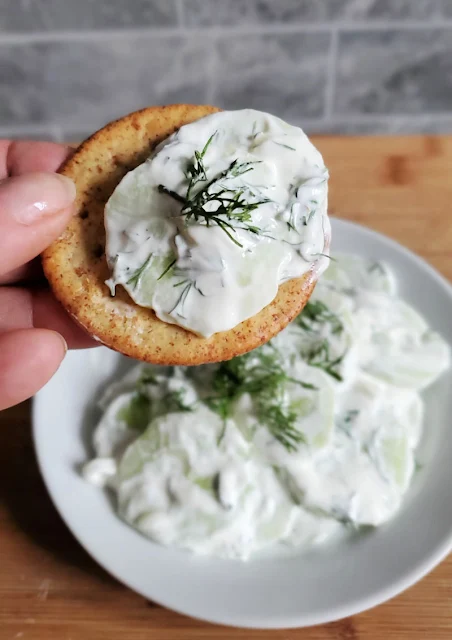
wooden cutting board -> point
(50, 589)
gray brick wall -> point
(342, 66)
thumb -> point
(34, 210)
(28, 359)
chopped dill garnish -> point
(316, 312)
(174, 401)
(179, 284)
(351, 415)
(319, 356)
(376, 267)
(345, 422)
(313, 319)
(134, 280)
(183, 297)
(286, 146)
(196, 171)
(254, 132)
(418, 466)
(168, 268)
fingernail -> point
(65, 347)
(31, 197)
(68, 186)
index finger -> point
(35, 208)
(19, 157)
(23, 156)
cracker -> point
(76, 268)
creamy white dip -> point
(297, 441)
(222, 212)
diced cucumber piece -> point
(396, 460)
(350, 272)
(396, 344)
(118, 426)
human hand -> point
(35, 207)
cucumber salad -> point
(293, 443)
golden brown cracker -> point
(76, 268)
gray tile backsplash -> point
(284, 74)
(374, 10)
(266, 12)
(54, 15)
(391, 71)
(332, 66)
(199, 13)
(80, 84)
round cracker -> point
(76, 268)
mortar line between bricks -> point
(330, 88)
(359, 119)
(363, 118)
(107, 34)
(180, 12)
(77, 128)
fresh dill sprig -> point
(281, 424)
(319, 356)
(312, 319)
(317, 312)
(196, 171)
(134, 280)
(261, 375)
(232, 211)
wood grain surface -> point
(50, 589)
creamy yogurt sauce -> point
(294, 443)
(221, 213)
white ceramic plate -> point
(279, 591)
